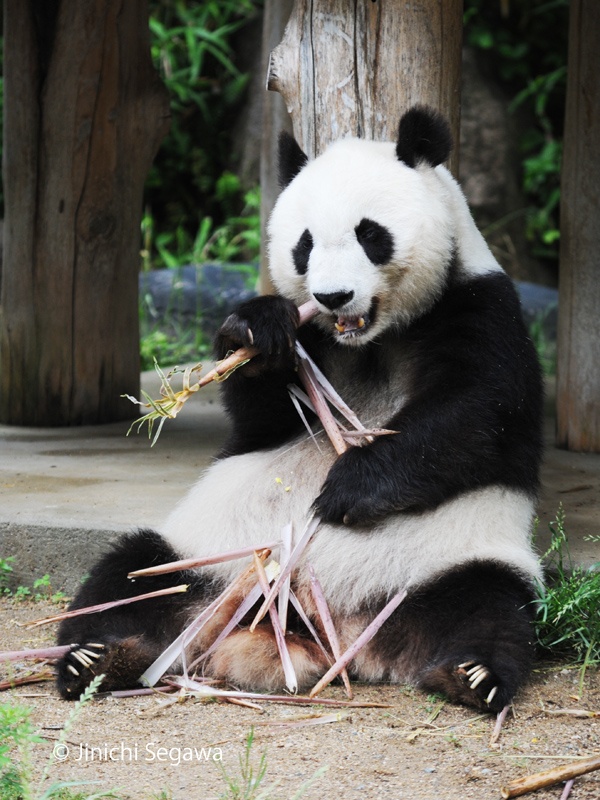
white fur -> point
(247, 500)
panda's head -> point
(366, 228)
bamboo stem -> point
(191, 563)
(552, 776)
(365, 637)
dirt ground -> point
(419, 747)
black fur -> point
(132, 635)
(375, 240)
(301, 252)
(291, 159)
(480, 612)
(256, 396)
(423, 137)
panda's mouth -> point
(351, 327)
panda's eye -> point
(301, 252)
(375, 240)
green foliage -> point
(527, 48)
(247, 785)
(193, 48)
(568, 608)
(41, 589)
(17, 743)
(6, 569)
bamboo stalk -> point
(191, 563)
(365, 637)
(330, 631)
(291, 681)
(311, 527)
(177, 647)
(43, 653)
(552, 776)
(500, 717)
(107, 606)
(328, 421)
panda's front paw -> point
(356, 491)
(266, 323)
(78, 667)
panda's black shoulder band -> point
(423, 137)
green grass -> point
(568, 607)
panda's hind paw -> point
(78, 668)
(471, 682)
(476, 674)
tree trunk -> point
(578, 379)
(275, 119)
(84, 115)
(354, 68)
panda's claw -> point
(478, 677)
(491, 695)
(83, 660)
(89, 653)
(465, 664)
(474, 669)
(72, 669)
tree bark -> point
(354, 68)
(275, 119)
(84, 115)
(578, 376)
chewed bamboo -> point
(177, 648)
(287, 535)
(289, 672)
(107, 606)
(192, 563)
(500, 718)
(552, 776)
(365, 637)
(210, 691)
(330, 631)
(328, 421)
(40, 653)
(310, 529)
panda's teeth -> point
(361, 323)
(339, 328)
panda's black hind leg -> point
(478, 622)
(122, 642)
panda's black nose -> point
(334, 299)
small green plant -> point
(6, 568)
(41, 589)
(248, 785)
(17, 742)
(568, 607)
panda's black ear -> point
(291, 159)
(423, 137)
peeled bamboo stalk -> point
(191, 563)
(365, 637)
(43, 653)
(552, 776)
(107, 606)
(330, 631)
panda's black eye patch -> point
(375, 240)
(301, 252)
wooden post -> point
(578, 378)
(354, 68)
(84, 115)
(275, 119)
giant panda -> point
(420, 331)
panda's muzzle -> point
(351, 326)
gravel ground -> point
(419, 747)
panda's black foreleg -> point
(467, 635)
(122, 642)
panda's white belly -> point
(246, 500)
